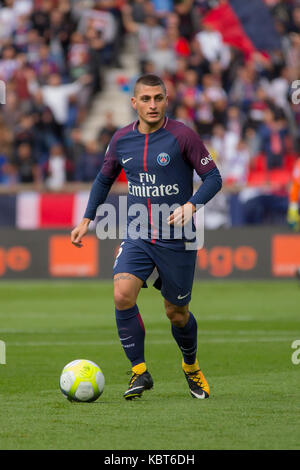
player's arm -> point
(98, 195)
(212, 183)
(99, 192)
(199, 158)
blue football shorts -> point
(175, 268)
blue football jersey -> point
(159, 169)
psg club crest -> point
(163, 159)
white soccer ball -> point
(82, 380)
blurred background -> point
(231, 69)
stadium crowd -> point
(53, 57)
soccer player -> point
(293, 217)
(159, 156)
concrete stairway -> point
(112, 97)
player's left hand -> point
(182, 215)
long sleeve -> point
(212, 183)
(109, 172)
(98, 194)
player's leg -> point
(128, 280)
(129, 321)
(176, 270)
(184, 331)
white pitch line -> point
(160, 332)
(153, 341)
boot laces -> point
(133, 377)
(196, 377)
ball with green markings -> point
(82, 380)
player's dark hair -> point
(150, 80)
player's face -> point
(150, 102)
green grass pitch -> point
(245, 333)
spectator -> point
(44, 59)
(75, 145)
(56, 95)
(7, 20)
(89, 162)
(179, 43)
(242, 91)
(224, 144)
(62, 25)
(189, 91)
(21, 78)
(278, 89)
(236, 165)
(182, 114)
(12, 112)
(40, 18)
(163, 57)
(58, 169)
(20, 33)
(6, 138)
(106, 21)
(252, 141)
(212, 46)
(78, 56)
(8, 63)
(34, 42)
(48, 132)
(197, 61)
(96, 47)
(258, 106)
(6, 171)
(235, 120)
(148, 33)
(26, 133)
(26, 168)
(272, 133)
(107, 131)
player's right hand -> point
(293, 217)
(78, 233)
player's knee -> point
(178, 316)
(123, 299)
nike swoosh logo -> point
(182, 296)
(124, 339)
(126, 160)
(134, 388)
(196, 395)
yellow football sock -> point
(139, 368)
(188, 368)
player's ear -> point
(133, 102)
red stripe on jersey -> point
(145, 151)
(148, 200)
(150, 219)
